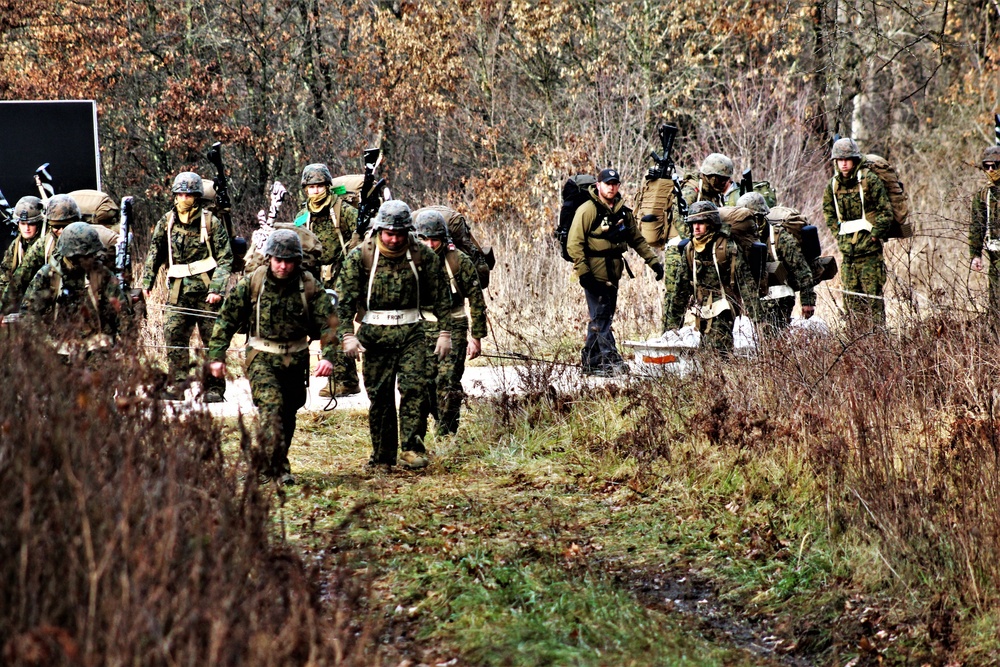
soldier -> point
(60, 210)
(714, 279)
(389, 279)
(282, 307)
(982, 228)
(332, 220)
(602, 231)
(194, 247)
(858, 211)
(28, 214)
(444, 390)
(75, 297)
(787, 268)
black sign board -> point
(62, 133)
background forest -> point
(488, 105)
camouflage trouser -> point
(177, 330)
(867, 276)
(444, 394)
(278, 393)
(777, 314)
(717, 333)
(382, 365)
(672, 259)
(993, 274)
(345, 369)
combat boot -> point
(212, 396)
(413, 460)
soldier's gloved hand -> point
(475, 348)
(324, 369)
(807, 312)
(217, 369)
(213, 298)
(352, 347)
(443, 347)
(658, 270)
(590, 283)
(977, 263)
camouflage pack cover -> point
(901, 227)
(312, 249)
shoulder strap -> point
(256, 288)
(452, 265)
(368, 253)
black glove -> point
(590, 283)
(658, 270)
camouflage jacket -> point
(38, 255)
(878, 211)
(784, 245)
(985, 222)
(393, 287)
(733, 280)
(16, 252)
(187, 247)
(695, 188)
(334, 227)
(288, 312)
(600, 235)
(77, 304)
(463, 284)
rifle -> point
(224, 206)
(665, 165)
(43, 180)
(746, 182)
(123, 258)
(370, 191)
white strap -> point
(391, 317)
(203, 236)
(192, 269)
(852, 226)
(274, 347)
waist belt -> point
(611, 252)
(385, 318)
(274, 347)
(778, 292)
(456, 312)
(192, 269)
(852, 226)
(711, 311)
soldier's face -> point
(393, 240)
(699, 228)
(433, 244)
(844, 165)
(29, 230)
(315, 189)
(87, 262)
(184, 199)
(283, 268)
(608, 190)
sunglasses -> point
(991, 166)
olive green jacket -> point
(600, 235)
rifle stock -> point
(224, 206)
(746, 182)
(370, 188)
(665, 165)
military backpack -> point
(574, 195)
(462, 237)
(656, 211)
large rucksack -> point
(901, 227)
(655, 209)
(574, 194)
(96, 207)
(461, 235)
(785, 217)
(742, 228)
(312, 250)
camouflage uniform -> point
(334, 225)
(983, 234)
(85, 310)
(186, 246)
(783, 248)
(863, 266)
(598, 238)
(16, 252)
(38, 255)
(289, 313)
(393, 350)
(731, 280)
(444, 378)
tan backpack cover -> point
(901, 227)
(789, 219)
(95, 206)
(312, 248)
(655, 210)
(461, 235)
(352, 183)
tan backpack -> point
(96, 207)
(655, 209)
(312, 249)
(461, 235)
(901, 227)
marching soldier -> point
(194, 247)
(983, 233)
(444, 391)
(787, 268)
(858, 211)
(388, 280)
(75, 297)
(30, 219)
(714, 279)
(282, 307)
(332, 220)
(60, 210)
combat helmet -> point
(316, 174)
(705, 212)
(991, 154)
(755, 202)
(60, 210)
(283, 244)
(393, 215)
(188, 183)
(79, 239)
(430, 225)
(717, 164)
(29, 209)
(845, 148)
